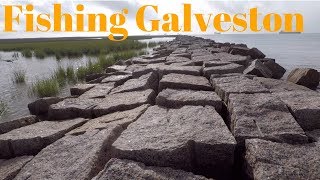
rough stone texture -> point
(243, 51)
(275, 85)
(17, 123)
(186, 55)
(181, 81)
(305, 77)
(192, 138)
(115, 68)
(147, 81)
(259, 69)
(238, 59)
(215, 63)
(263, 116)
(122, 117)
(305, 107)
(172, 98)
(148, 61)
(175, 59)
(72, 157)
(188, 70)
(256, 53)
(29, 140)
(41, 105)
(98, 91)
(277, 70)
(270, 160)
(10, 168)
(79, 89)
(223, 69)
(94, 76)
(72, 108)
(117, 79)
(124, 101)
(205, 58)
(224, 86)
(117, 169)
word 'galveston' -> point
(114, 24)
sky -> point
(309, 10)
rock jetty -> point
(193, 109)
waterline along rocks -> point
(193, 109)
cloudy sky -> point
(309, 9)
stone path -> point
(185, 112)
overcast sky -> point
(309, 9)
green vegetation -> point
(3, 108)
(46, 88)
(19, 76)
(26, 53)
(153, 44)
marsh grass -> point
(19, 76)
(152, 44)
(3, 108)
(26, 53)
(46, 88)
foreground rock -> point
(181, 81)
(187, 70)
(277, 70)
(117, 79)
(79, 89)
(17, 123)
(10, 168)
(270, 160)
(41, 106)
(192, 138)
(238, 59)
(98, 91)
(29, 140)
(274, 85)
(259, 69)
(172, 98)
(124, 101)
(125, 169)
(305, 76)
(223, 69)
(263, 116)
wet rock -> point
(188, 70)
(121, 118)
(117, 79)
(115, 68)
(124, 101)
(41, 105)
(29, 140)
(79, 89)
(305, 76)
(192, 138)
(223, 69)
(182, 81)
(256, 53)
(147, 81)
(72, 108)
(270, 160)
(172, 98)
(263, 116)
(10, 168)
(259, 69)
(125, 169)
(305, 107)
(275, 85)
(277, 70)
(238, 59)
(17, 123)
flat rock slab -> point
(147, 81)
(275, 85)
(17, 123)
(181, 81)
(205, 58)
(99, 91)
(115, 68)
(225, 86)
(215, 63)
(29, 140)
(176, 59)
(10, 168)
(79, 89)
(192, 138)
(305, 107)
(223, 69)
(41, 106)
(188, 70)
(117, 79)
(270, 160)
(125, 169)
(238, 59)
(124, 101)
(72, 108)
(263, 116)
(122, 117)
(72, 157)
(174, 98)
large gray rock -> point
(263, 116)
(17, 123)
(29, 140)
(117, 169)
(121, 117)
(181, 81)
(223, 69)
(98, 91)
(238, 59)
(179, 51)
(277, 70)
(124, 101)
(72, 108)
(205, 58)
(175, 98)
(115, 68)
(117, 79)
(188, 70)
(41, 105)
(192, 138)
(256, 53)
(149, 61)
(175, 59)
(224, 86)
(79, 89)
(305, 77)
(243, 51)
(215, 63)
(72, 157)
(259, 69)
(10, 168)
(305, 107)
(270, 160)
(147, 81)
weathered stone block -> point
(305, 77)
(223, 69)
(259, 69)
(117, 79)
(10, 168)
(275, 85)
(41, 105)
(99, 91)
(79, 89)
(238, 59)
(17, 123)
(115, 68)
